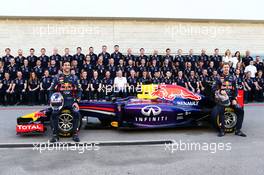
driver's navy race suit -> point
(229, 84)
(69, 87)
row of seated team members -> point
(35, 91)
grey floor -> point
(245, 157)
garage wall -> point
(150, 34)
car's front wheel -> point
(66, 123)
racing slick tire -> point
(66, 123)
(230, 120)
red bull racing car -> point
(157, 106)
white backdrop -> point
(186, 9)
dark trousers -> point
(20, 97)
(44, 96)
(106, 95)
(95, 95)
(120, 94)
(220, 110)
(259, 95)
(7, 98)
(3, 97)
(33, 97)
(55, 120)
(249, 95)
(131, 91)
(85, 95)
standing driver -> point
(226, 85)
(68, 85)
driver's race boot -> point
(75, 137)
(240, 133)
(221, 133)
(54, 138)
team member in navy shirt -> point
(106, 56)
(32, 58)
(249, 87)
(180, 80)
(38, 69)
(259, 84)
(19, 87)
(44, 59)
(129, 57)
(132, 83)
(7, 57)
(45, 84)
(116, 55)
(33, 89)
(193, 82)
(6, 90)
(180, 59)
(56, 57)
(92, 55)
(111, 67)
(107, 86)
(53, 69)
(88, 67)
(66, 57)
(141, 57)
(20, 58)
(95, 85)
(216, 58)
(84, 82)
(79, 56)
(12, 69)
(100, 68)
(246, 60)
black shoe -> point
(221, 133)
(75, 138)
(54, 139)
(240, 133)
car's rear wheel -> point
(230, 120)
(66, 123)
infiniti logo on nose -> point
(152, 109)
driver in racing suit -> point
(68, 85)
(227, 83)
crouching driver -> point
(65, 86)
(225, 89)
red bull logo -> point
(170, 92)
(66, 87)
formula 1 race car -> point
(157, 106)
